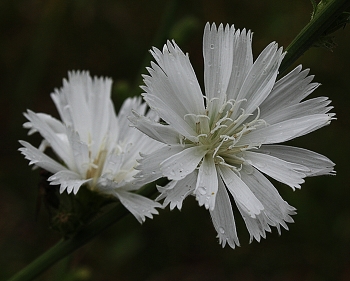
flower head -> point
(94, 147)
(224, 142)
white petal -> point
(170, 115)
(218, 57)
(58, 144)
(257, 226)
(289, 90)
(134, 142)
(276, 210)
(162, 133)
(132, 152)
(316, 163)
(242, 62)
(85, 105)
(140, 206)
(113, 133)
(223, 219)
(40, 159)
(289, 173)
(207, 183)
(261, 78)
(176, 191)
(183, 163)
(100, 106)
(240, 192)
(68, 180)
(286, 130)
(71, 100)
(150, 164)
(181, 78)
(52, 122)
(129, 105)
(80, 152)
(106, 185)
(309, 107)
(113, 164)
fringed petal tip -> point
(164, 194)
(223, 240)
(69, 181)
(141, 207)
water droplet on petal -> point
(202, 190)
(212, 46)
(221, 230)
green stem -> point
(66, 247)
(312, 31)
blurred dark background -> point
(41, 40)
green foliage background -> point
(41, 40)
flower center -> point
(220, 130)
(96, 167)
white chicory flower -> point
(94, 146)
(224, 142)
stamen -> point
(212, 99)
(233, 168)
(202, 135)
(225, 132)
(182, 141)
(189, 114)
(218, 147)
(217, 128)
(93, 166)
(218, 124)
(196, 116)
(235, 123)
